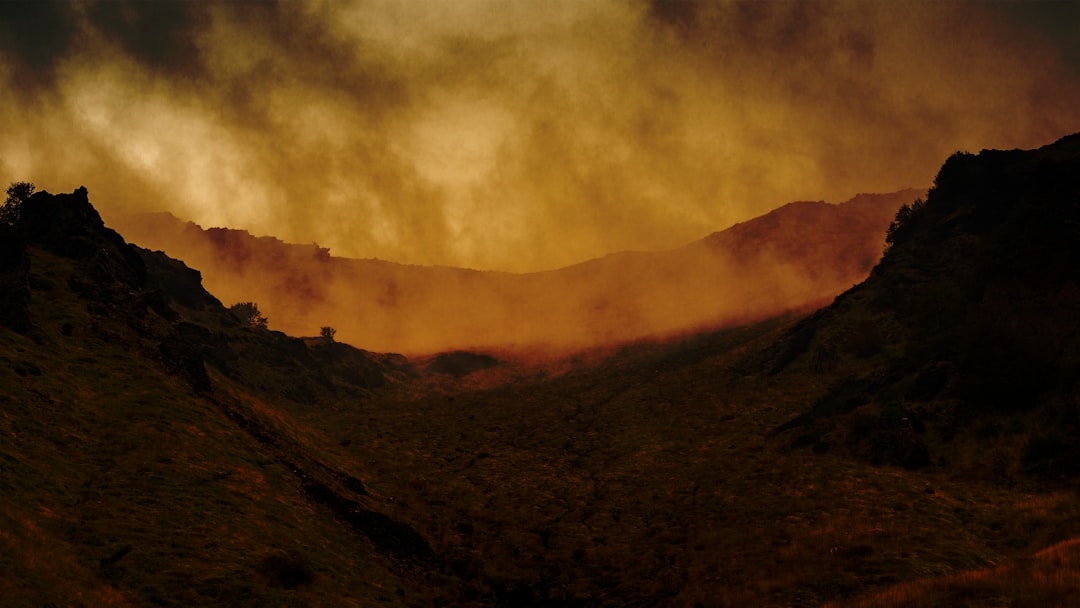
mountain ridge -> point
(912, 442)
(622, 297)
(118, 337)
(972, 313)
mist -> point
(794, 258)
(511, 136)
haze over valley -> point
(799, 255)
(583, 304)
(913, 442)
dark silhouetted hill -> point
(145, 459)
(968, 329)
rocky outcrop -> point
(973, 313)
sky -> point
(520, 135)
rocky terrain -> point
(913, 443)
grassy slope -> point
(120, 486)
(673, 475)
(647, 479)
(1048, 578)
(649, 476)
(653, 480)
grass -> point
(655, 480)
(1051, 577)
(121, 487)
(650, 475)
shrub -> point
(248, 314)
(327, 333)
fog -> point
(513, 136)
(794, 258)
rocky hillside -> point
(894, 449)
(969, 327)
(912, 444)
(141, 460)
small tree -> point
(17, 193)
(327, 334)
(248, 314)
(901, 226)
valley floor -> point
(656, 480)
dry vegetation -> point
(654, 479)
(913, 444)
(120, 487)
(1051, 577)
(644, 476)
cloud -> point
(514, 136)
(33, 35)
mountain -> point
(141, 463)
(911, 444)
(969, 328)
(908, 445)
(800, 255)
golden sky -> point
(516, 135)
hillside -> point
(140, 461)
(795, 462)
(800, 255)
(911, 444)
(969, 328)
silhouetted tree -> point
(248, 314)
(17, 193)
(901, 225)
(327, 334)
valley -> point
(912, 443)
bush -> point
(327, 333)
(248, 314)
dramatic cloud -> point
(520, 135)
